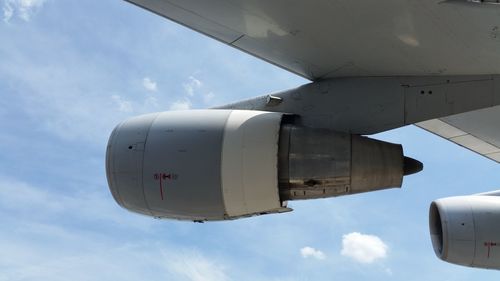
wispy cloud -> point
(192, 85)
(195, 90)
(195, 267)
(123, 105)
(45, 204)
(309, 252)
(149, 84)
(70, 95)
(151, 102)
(363, 248)
(208, 97)
(13, 193)
(86, 256)
(24, 9)
(184, 104)
(8, 12)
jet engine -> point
(224, 164)
(465, 230)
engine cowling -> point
(224, 164)
(465, 230)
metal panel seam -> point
(142, 164)
(474, 232)
(221, 159)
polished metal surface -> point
(319, 163)
(375, 165)
(314, 163)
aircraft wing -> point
(324, 39)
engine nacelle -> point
(196, 165)
(224, 164)
(465, 230)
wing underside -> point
(324, 39)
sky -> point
(71, 70)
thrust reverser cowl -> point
(226, 164)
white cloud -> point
(363, 248)
(192, 85)
(149, 84)
(23, 8)
(207, 98)
(14, 193)
(41, 245)
(67, 93)
(181, 105)
(8, 12)
(123, 105)
(46, 204)
(151, 102)
(195, 267)
(309, 252)
(82, 255)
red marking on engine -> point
(160, 176)
(489, 245)
(161, 189)
(164, 176)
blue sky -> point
(71, 70)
